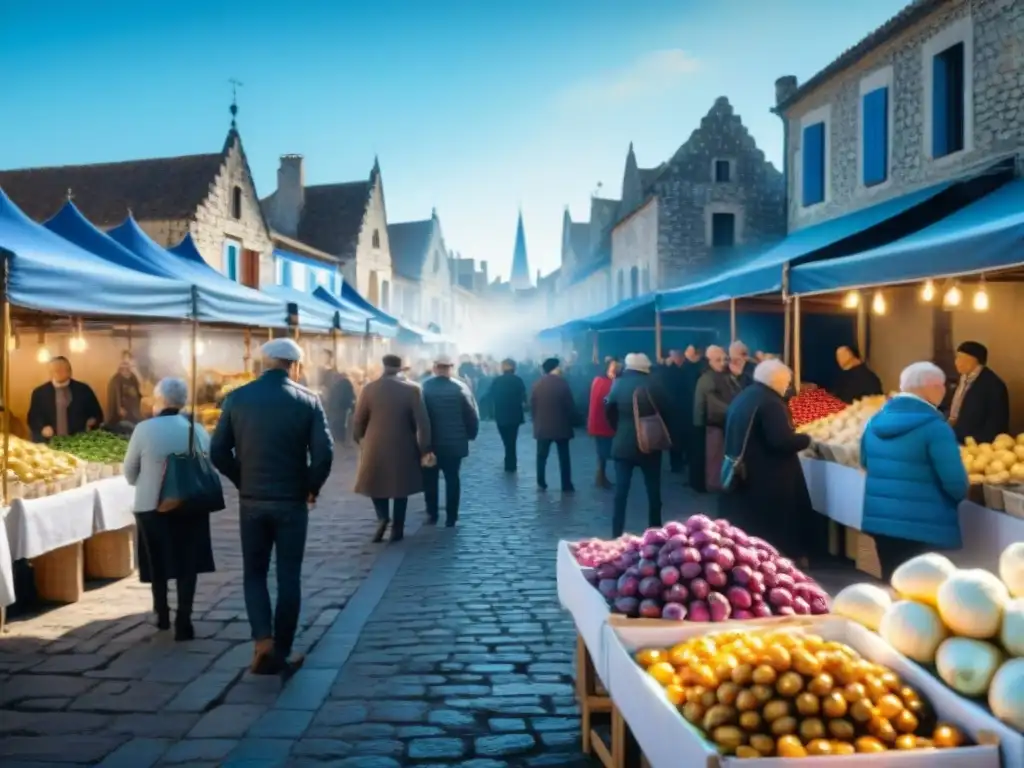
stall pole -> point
(195, 350)
(366, 348)
(335, 346)
(595, 354)
(247, 353)
(270, 334)
(787, 331)
(657, 335)
(796, 343)
(5, 375)
(862, 330)
(129, 337)
(732, 320)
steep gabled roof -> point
(579, 238)
(332, 216)
(410, 244)
(166, 188)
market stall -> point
(923, 674)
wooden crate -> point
(851, 543)
(110, 555)
(867, 556)
(59, 574)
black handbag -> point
(191, 484)
(734, 470)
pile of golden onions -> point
(759, 694)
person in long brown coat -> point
(392, 429)
(554, 412)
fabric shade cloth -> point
(313, 313)
(383, 324)
(351, 318)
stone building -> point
(935, 92)
(584, 283)
(347, 221)
(212, 197)
(715, 200)
(424, 280)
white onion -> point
(913, 629)
(1011, 634)
(1011, 568)
(967, 665)
(971, 603)
(1006, 694)
(862, 603)
(920, 577)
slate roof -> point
(649, 175)
(579, 238)
(166, 188)
(410, 243)
(906, 18)
(332, 216)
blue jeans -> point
(650, 468)
(266, 525)
(449, 467)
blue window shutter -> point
(814, 164)
(940, 106)
(876, 136)
(287, 274)
(232, 265)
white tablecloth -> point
(114, 502)
(38, 526)
(6, 573)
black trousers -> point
(650, 468)
(509, 437)
(893, 552)
(449, 467)
(695, 456)
(382, 507)
(564, 462)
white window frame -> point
(278, 270)
(736, 209)
(881, 78)
(822, 114)
(960, 31)
(732, 170)
(300, 278)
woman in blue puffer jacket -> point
(915, 477)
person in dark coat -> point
(508, 401)
(772, 501)
(169, 546)
(124, 397)
(673, 379)
(855, 380)
(625, 449)
(393, 431)
(553, 411)
(273, 444)
(915, 476)
(63, 405)
(716, 389)
(980, 405)
(340, 400)
(454, 424)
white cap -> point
(444, 360)
(638, 361)
(282, 349)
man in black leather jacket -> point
(273, 443)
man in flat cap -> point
(980, 405)
(273, 443)
(393, 431)
(554, 416)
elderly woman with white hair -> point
(769, 498)
(915, 477)
(717, 387)
(174, 545)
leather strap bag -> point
(734, 470)
(652, 435)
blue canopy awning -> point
(220, 300)
(51, 274)
(350, 294)
(409, 333)
(352, 319)
(636, 312)
(984, 236)
(763, 273)
(313, 314)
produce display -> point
(34, 470)
(997, 463)
(966, 625)
(208, 416)
(838, 436)
(98, 446)
(812, 405)
(786, 694)
(698, 570)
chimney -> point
(290, 195)
(785, 87)
(483, 271)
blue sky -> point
(474, 107)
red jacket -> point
(597, 422)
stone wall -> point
(688, 195)
(583, 297)
(635, 244)
(370, 259)
(214, 223)
(994, 127)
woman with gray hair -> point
(175, 545)
(915, 477)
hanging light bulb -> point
(851, 300)
(200, 346)
(878, 305)
(43, 355)
(186, 347)
(980, 301)
(928, 291)
(13, 343)
(953, 297)
(78, 344)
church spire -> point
(520, 264)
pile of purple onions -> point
(698, 570)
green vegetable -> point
(98, 446)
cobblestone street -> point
(448, 649)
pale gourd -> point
(971, 603)
(913, 629)
(862, 603)
(967, 666)
(920, 577)
(1011, 568)
(1006, 694)
(1011, 634)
